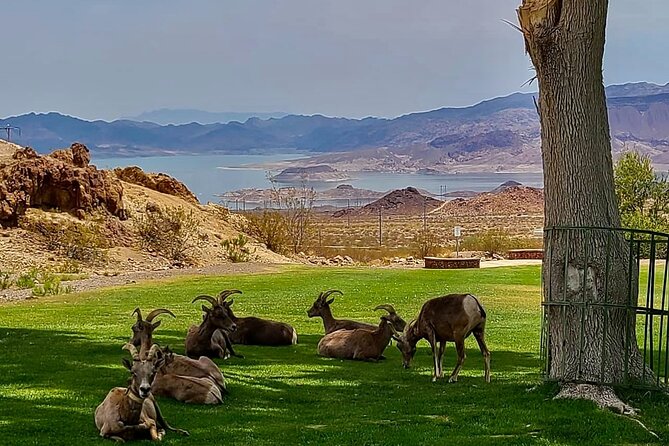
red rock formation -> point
(156, 181)
(63, 181)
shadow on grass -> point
(51, 381)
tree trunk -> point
(588, 341)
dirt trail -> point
(98, 281)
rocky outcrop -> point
(159, 182)
(63, 180)
(78, 155)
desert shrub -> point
(172, 232)
(69, 266)
(49, 284)
(426, 244)
(236, 250)
(27, 279)
(79, 242)
(496, 241)
(269, 227)
(5, 280)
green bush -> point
(27, 279)
(496, 241)
(236, 250)
(5, 280)
(426, 244)
(49, 284)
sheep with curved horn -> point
(393, 317)
(143, 329)
(132, 413)
(256, 331)
(211, 337)
(361, 344)
(182, 378)
(321, 308)
(450, 318)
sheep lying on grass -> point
(211, 338)
(131, 413)
(256, 331)
(182, 378)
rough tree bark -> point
(565, 41)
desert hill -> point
(61, 213)
(509, 200)
(408, 201)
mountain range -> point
(165, 116)
(500, 134)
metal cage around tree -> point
(613, 283)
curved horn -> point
(158, 311)
(132, 349)
(138, 312)
(328, 292)
(155, 348)
(209, 299)
(225, 293)
(389, 308)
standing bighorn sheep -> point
(210, 338)
(131, 413)
(361, 343)
(182, 378)
(448, 318)
(257, 331)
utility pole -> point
(424, 214)
(348, 212)
(9, 129)
(380, 226)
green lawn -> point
(60, 356)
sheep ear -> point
(126, 364)
(156, 325)
(205, 309)
(158, 363)
(330, 301)
(230, 302)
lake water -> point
(210, 175)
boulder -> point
(156, 181)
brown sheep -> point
(450, 318)
(131, 413)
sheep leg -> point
(480, 339)
(460, 347)
(442, 347)
(228, 344)
(217, 344)
(435, 357)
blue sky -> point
(110, 58)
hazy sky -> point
(110, 58)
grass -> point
(61, 355)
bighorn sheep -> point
(182, 378)
(361, 343)
(210, 338)
(257, 331)
(142, 330)
(131, 413)
(442, 319)
(321, 308)
(185, 380)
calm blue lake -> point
(210, 175)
